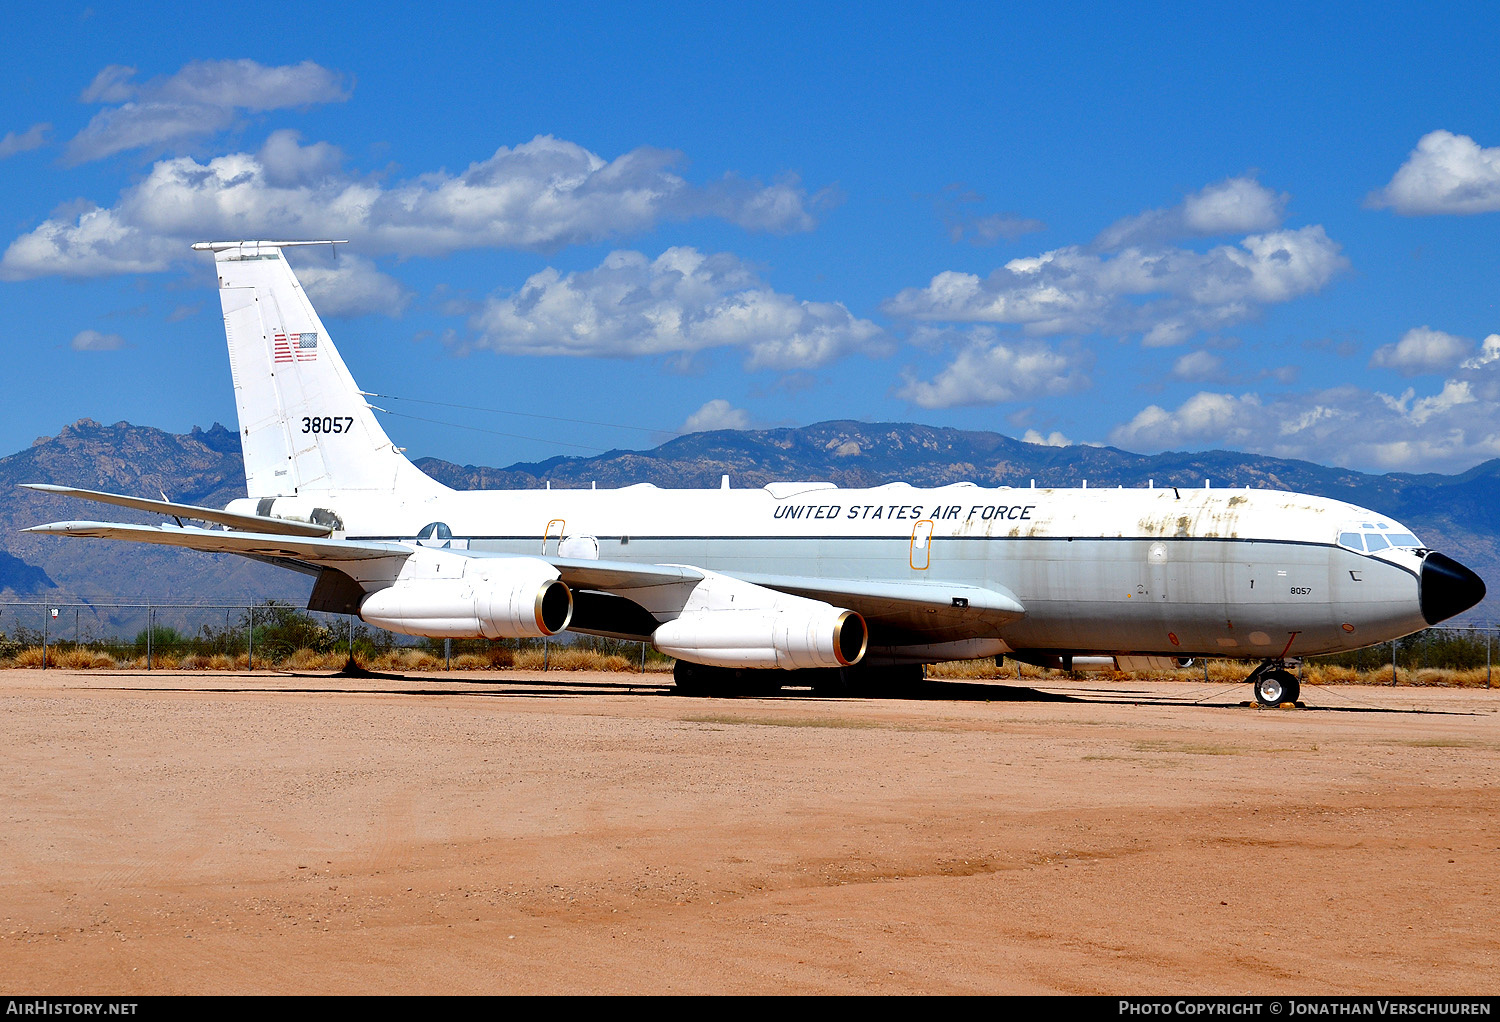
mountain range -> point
(1458, 514)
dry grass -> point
(66, 659)
(401, 660)
(1220, 672)
(567, 658)
(215, 662)
(84, 660)
(563, 658)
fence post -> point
(150, 627)
(46, 622)
(250, 642)
(545, 652)
(447, 654)
(1393, 663)
(643, 658)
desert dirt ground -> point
(594, 833)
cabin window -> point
(1375, 541)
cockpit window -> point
(1362, 537)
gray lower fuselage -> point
(1176, 596)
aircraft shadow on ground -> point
(638, 685)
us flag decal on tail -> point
(296, 347)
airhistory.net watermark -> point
(48, 1006)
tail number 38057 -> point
(327, 423)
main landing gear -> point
(701, 680)
(1274, 684)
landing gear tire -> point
(702, 680)
(1276, 687)
(870, 682)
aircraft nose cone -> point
(1448, 588)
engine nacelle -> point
(293, 509)
(730, 623)
(501, 598)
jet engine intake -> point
(509, 598)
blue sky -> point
(1178, 227)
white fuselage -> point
(1239, 573)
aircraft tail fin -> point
(304, 424)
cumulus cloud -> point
(205, 97)
(716, 414)
(1445, 173)
(288, 164)
(988, 370)
(1053, 439)
(33, 137)
(1422, 350)
(680, 302)
(1131, 280)
(352, 286)
(1164, 294)
(93, 340)
(987, 230)
(1236, 205)
(1198, 365)
(1489, 351)
(539, 196)
(964, 224)
(1448, 429)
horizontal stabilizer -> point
(250, 246)
(252, 544)
(249, 523)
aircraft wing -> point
(611, 575)
(909, 612)
(250, 523)
(899, 612)
(251, 544)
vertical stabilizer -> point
(304, 425)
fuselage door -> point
(554, 531)
(1156, 557)
(921, 545)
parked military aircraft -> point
(752, 588)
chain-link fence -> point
(271, 633)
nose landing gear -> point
(1273, 684)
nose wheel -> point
(1274, 684)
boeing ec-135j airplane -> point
(793, 582)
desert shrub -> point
(407, 659)
(80, 659)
